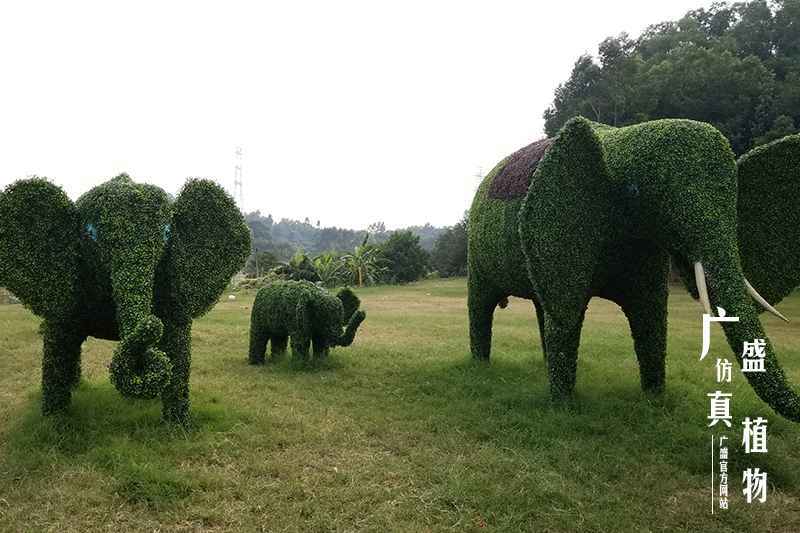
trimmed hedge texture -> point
(769, 215)
(124, 263)
(305, 313)
(605, 210)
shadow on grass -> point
(612, 427)
(125, 438)
(287, 365)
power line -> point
(238, 187)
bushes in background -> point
(405, 258)
(449, 256)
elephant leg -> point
(300, 346)
(258, 344)
(648, 324)
(645, 305)
(72, 357)
(562, 337)
(176, 343)
(540, 320)
(320, 348)
(481, 302)
(278, 345)
(61, 364)
(641, 287)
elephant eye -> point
(632, 189)
(91, 231)
(167, 232)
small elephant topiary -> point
(306, 313)
(126, 262)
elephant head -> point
(332, 319)
(120, 262)
(352, 317)
(672, 183)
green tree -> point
(260, 263)
(406, 259)
(331, 269)
(298, 268)
(449, 256)
(783, 126)
(365, 264)
(736, 66)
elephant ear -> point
(769, 217)
(564, 218)
(208, 243)
(39, 247)
(350, 302)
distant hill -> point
(287, 236)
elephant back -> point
(514, 178)
(275, 305)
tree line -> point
(292, 249)
(734, 65)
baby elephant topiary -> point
(305, 312)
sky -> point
(347, 112)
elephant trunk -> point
(346, 339)
(729, 289)
(139, 369)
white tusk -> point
(760, 299)
(702, 290)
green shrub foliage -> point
(305, 313)
(449, 256)
(124, 263)
(769, 215)
(605, 210)
(300, 267)
(407, 261)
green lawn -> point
(400, 432)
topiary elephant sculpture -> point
(127, 263)
(599, 211)
(306, 313)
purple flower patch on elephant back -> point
(515, 177)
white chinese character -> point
(754, 436)
(753, 355)
(723, 503)
(723, 371)
(723, 490)
(720, 407)
(723, 453)
(707, 320)
(755, 485)
(723, 466)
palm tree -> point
(365, 264)
(299, 267)
(330, 267)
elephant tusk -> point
(764, 303)
(702, 289)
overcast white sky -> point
(348, 112)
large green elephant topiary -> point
(125, 263)
(599, 211)
(308, 314)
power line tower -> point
(238, 189)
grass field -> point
(400, 432)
